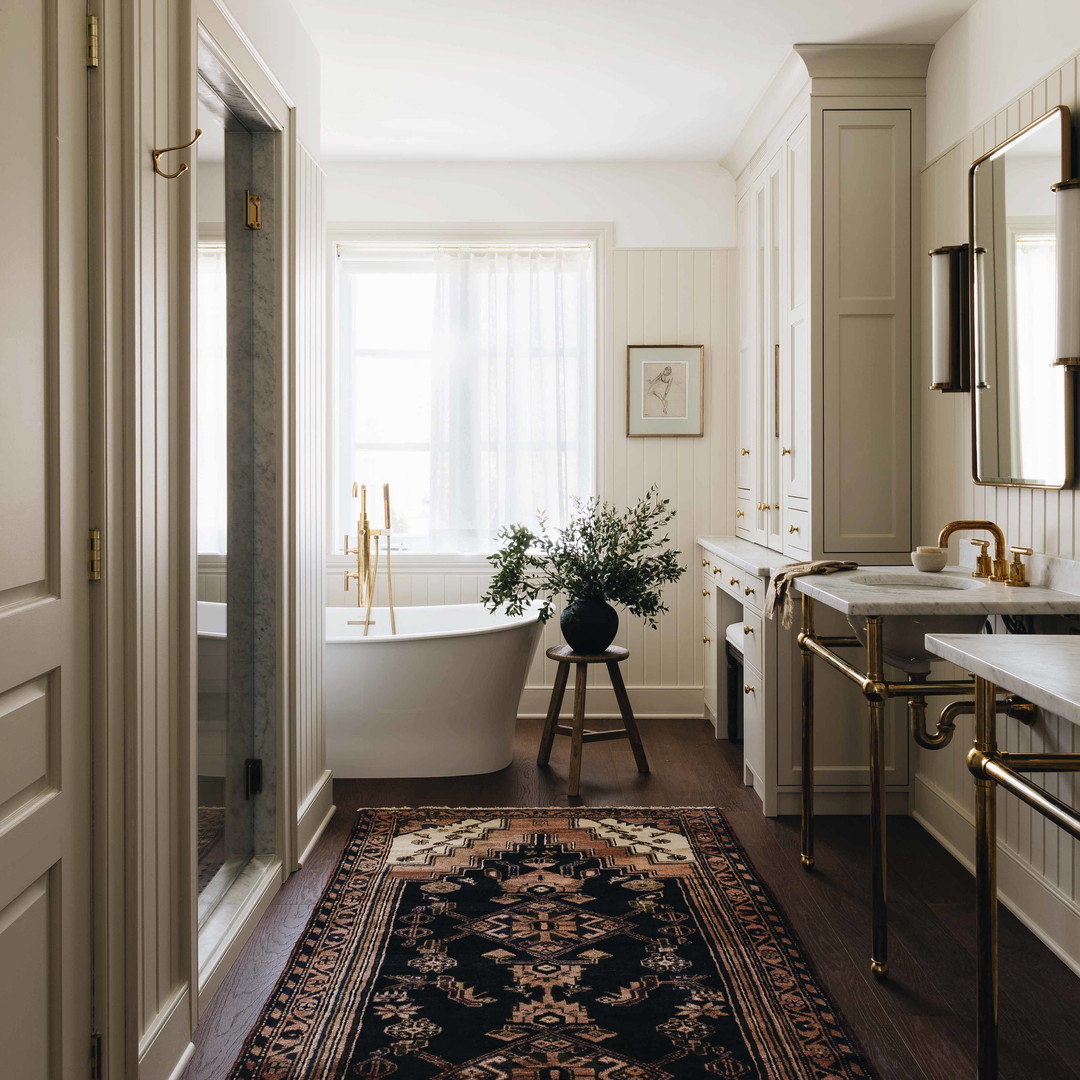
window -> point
(465, 381)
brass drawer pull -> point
(747, 629)
(717, 569)
(784, 451)
(733, 581)
(748, 591)
(792, 529)
(748, 689)
(706, 640)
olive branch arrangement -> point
(621, 557)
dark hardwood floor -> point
(918, 1025)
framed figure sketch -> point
(664, 390)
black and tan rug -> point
(547, 944)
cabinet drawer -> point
(796, 533)
(751, 638)
(745, 520)
(751, 592)
(713, 648)
(753, 734)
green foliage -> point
(601, 554)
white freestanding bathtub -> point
(439, 698)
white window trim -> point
(599, 234)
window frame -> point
(598, 234)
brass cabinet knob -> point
(717, 569)
(740, 513)
(706, 640)
(784, 451)
(792, 529)
(733, 581)
(705, 592)
(704, 562)
(748, 689)
(744, 451)
(748, 591)
(763, 506)
(747, 629)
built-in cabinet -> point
(827, 267)
(825, 219)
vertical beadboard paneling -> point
(659, 297)
(309, 540)
(1048, 521)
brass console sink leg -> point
(986, 916)
(807, 856)
(879, 959)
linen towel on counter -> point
(780, 595)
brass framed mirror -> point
(1021, 404)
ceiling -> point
(571, 80)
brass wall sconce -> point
(1067, 252)
(950, 319)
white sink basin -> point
(903, 636)
(914, 581)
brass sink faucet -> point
(999, 568)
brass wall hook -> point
(156, 155)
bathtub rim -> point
(530, 617)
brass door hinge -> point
(92, 41)
(252, 210)
(94, 566)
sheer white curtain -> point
(211, 502)
(512, 390)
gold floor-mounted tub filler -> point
(877, 691)
(366, 550)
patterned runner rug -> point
(547, 944)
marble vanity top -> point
(1043, 668)
(748, 557)
(846, 592)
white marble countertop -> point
(841, 592)
(748, 557)
(1043, 668)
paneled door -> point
(45, 878)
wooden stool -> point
(564, 656)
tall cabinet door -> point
(772, 252)
(45, 882)
(748, 452)
(866, 329)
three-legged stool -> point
(564, 656)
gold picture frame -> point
(665, 391)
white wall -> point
(277, 35)
(997, 49)
(1039, 864)
(662, 205)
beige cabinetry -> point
(826, 268)
(827, 181)
(735, 578)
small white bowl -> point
(929, 560)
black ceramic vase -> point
(589, 626)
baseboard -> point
(314, 815)
(227, 930)
(1045, 910)
(648, 702)
(166, 1044)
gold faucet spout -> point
(1001, 564)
